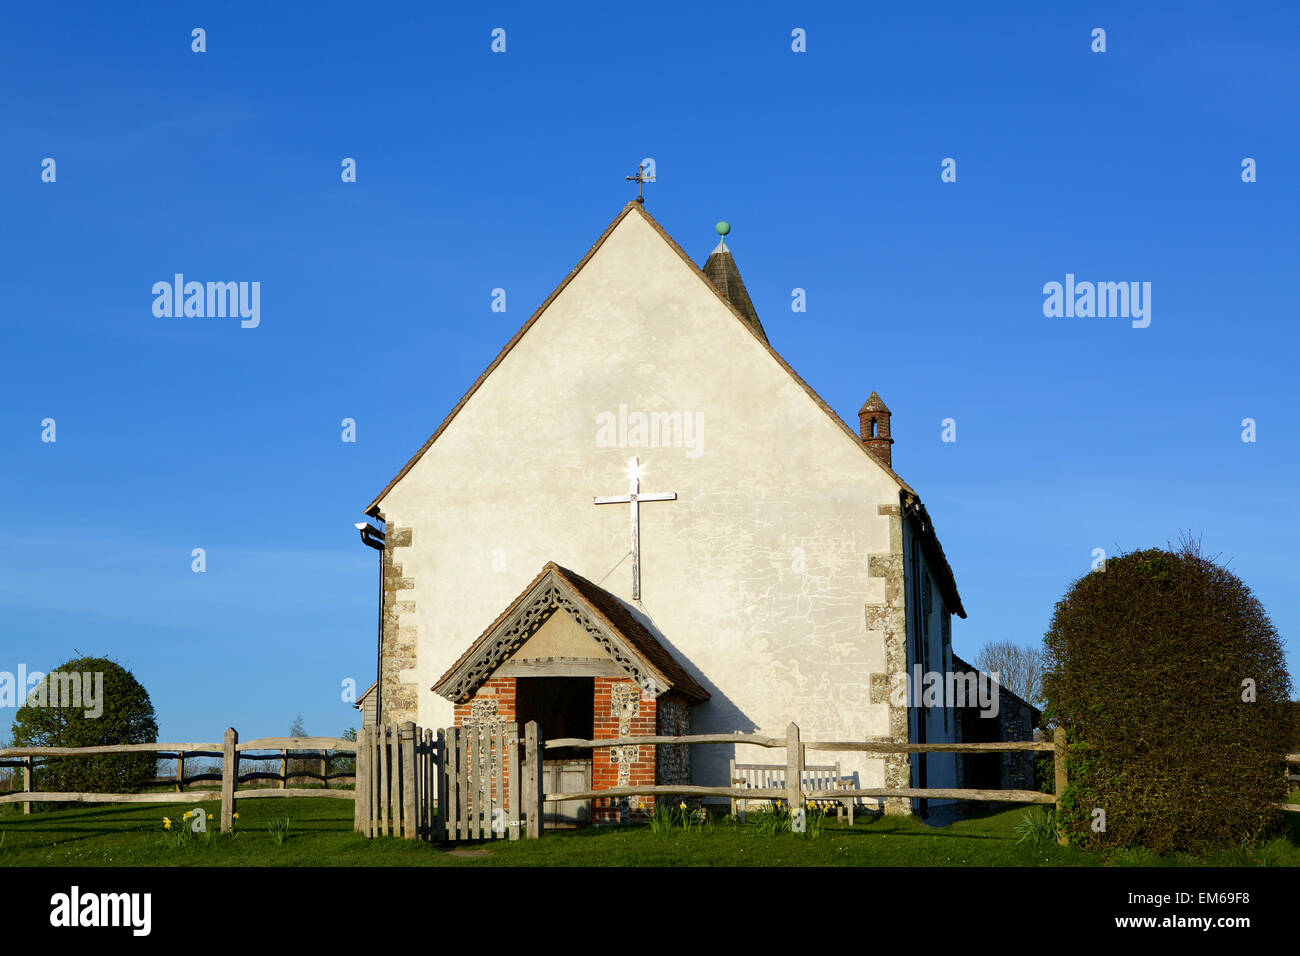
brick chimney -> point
(873, 426)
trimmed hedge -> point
(1147, 660)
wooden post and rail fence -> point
(486, 781)
(230, 750)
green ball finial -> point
(723, 227)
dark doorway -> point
(562, 707)
(983, 771)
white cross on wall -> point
(633, 498)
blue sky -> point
(479, 170)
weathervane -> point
(640, 178)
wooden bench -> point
(821, 779)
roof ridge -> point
(1002, 688)
(812, 393)
(761, 338)
(500, 356)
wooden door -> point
(566, 776)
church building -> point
(641, 520)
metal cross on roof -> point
(634, 498)
(640, 178)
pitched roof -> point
(721, 269)
(631, 207)
(606, 619)
(755, 329)
(935, 557)
(961, 665)
(360, 701)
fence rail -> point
(755, 740)
(795, 794)
(231, 752)
(487, 782)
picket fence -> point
(459, 783)
(485, 782)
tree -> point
(9, 776)
(298, 765)
(347, 764)
(1019, 669)
(1169, 681)
(109, 707)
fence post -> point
(427, 787)
(324, 768)
(374, 763)
(793, 767)
(439, 756)
(381, 781)
(498, 741)
(180, 771)
(1062, 778)
(27, 782)
(409, 796)
(359, 784)
(511, 759)
(372, 787)
(453, 760)
(394, 805)
(229, 776)
(284, 769)
(534, 796)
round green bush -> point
(1151, 664)
(126, 717)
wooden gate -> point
(481, 781)
(397, 780)
(469, 783)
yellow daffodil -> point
(236, 816)
(167, 824)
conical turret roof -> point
(721, 269)
(874, 404)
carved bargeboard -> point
(550, 597)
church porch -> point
(576, 660)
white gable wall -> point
(755, 577)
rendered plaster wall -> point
(773, 577)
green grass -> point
(320, 834)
